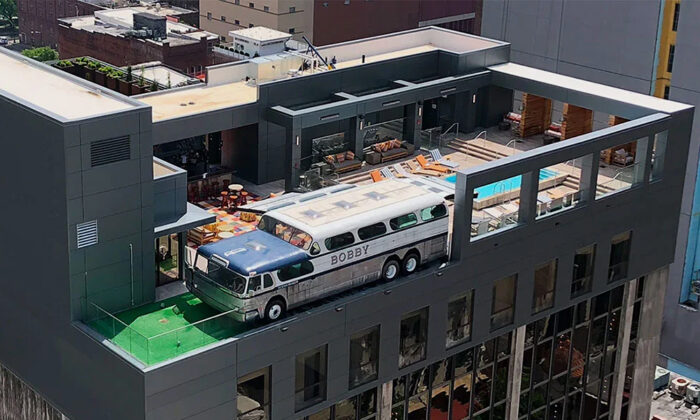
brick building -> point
(111, 36)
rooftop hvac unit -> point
(679, 386)
(692, 393)
(695, 287)
(661, 378)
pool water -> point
(504, 186)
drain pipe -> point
(131, 265)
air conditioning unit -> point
(679, 386)
(661, 378)
(695, 287)
(692, 394)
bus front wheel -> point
(275, 309)
(391, 270)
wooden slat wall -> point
(576, 121)
(536, 115)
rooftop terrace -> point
(53, 92)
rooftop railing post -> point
(642, 160)
(588, 182)
(461, 230)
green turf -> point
(163, 330)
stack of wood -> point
(536, 115)
(576, 121)
(608, 155)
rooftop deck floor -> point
(160, 331)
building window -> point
(223, 18)
(676, 13)
(361, 407)
(209, 15)
(266, 8)
(545, 279)
(251, 5)
(295, 270)
(667, 91)
(582, 279)
(292, 9)
(236, 1)
(364, 357)
(459, 319)
(237, 22)
(291, 30)
(310, 379)
(671, 53)
(250, 25)
(254, 395)
(619, 256)
(414, 336)
(503, 301)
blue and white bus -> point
(311, 249)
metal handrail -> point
(513, 143)
(442, 136)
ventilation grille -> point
(108, 151)
(87, 234)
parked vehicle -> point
(313, 249)
(4, 40)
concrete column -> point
(355, 138)
(515, 371)
(181, 254)
(293, 158)
(385, 395)
(623, 344)
(650, 320)
(413, 122)
(589, 177)
(529, 189)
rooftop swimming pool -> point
(505, 185)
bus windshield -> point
(222, 275)
(287, 233)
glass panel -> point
(626, 164)
(371, 231)
(503, 346)
(542, 362)
(433, 212)
(499, 413)
(553, 195)
(340, 241)
(418, 407)
(564, 319)
(527, 370)
(545, 328)
(500, 385)
(658, 154)
(545, 278)
(254, 395)
(582, 279)
(440, 372)
(557, 388)
(524, 404)
(556, 410)
(459, 319)
(482, 388)
(440, 403)
(397, 412)
(578, 354)
(573, 407)
(368, 403)
(619, 256)
(461, 397)
(364, 357)
(346, 409)
(403, 222)
(561, 354)
(167, 259)
(583, 312)
(310, 385)
(414, 329)
(464, 362)
(417, 382)
(503, 301)
(539, 397)
(485, 353)
(324, 414)
(399, 390)
(601, 304)
(616, 297)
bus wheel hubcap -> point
(390, 271)
(411, 264)
(275, 311)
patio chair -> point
(376, 175)
(438, 158)
(400, 171)
(423, 162)
(386, 172)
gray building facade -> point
(96, 199)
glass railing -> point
(158, 332)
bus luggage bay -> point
(317, 247)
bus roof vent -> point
(312, 214)
(344, 204)
(375, 195)
(256, 246)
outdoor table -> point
(225, 228)
(235, 187)
(225, 235)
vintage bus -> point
(312, 249)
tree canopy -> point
(41, 53)
(8, 11)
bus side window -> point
(371, 231)
(254, 284)
(295, 270)
(403, 222)
(268, 281)
(339, 241)
(433, 212)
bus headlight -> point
(251, 315)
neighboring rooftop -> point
(120, 22)
(44, 88)
(260, 33)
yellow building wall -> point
(668, 38)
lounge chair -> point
(423, 162)
(416, 170)
(376, 175)
(386, 172)
(438, 158)
(400, 171)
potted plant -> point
(101, 75)
(125, 82)
(66, 66)
(140, 85)
(113, 79)
(90, 69)
(79, 65)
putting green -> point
(160, 331)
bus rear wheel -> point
(391, 270)
(410, 262)
(275, 309)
